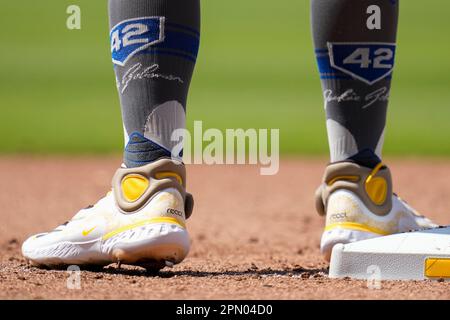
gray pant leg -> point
(355, 49)
(154, 45)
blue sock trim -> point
(140, 150)
(366, 158)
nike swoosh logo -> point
(86, 232)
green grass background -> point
(256, 68)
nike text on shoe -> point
(141, 222)
(359, 204)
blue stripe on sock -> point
(343, 76)
(326, 70)
(339, 77)
(176, 54)
(180, 41)
(180, 26)
(186, 44)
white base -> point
(396, 257)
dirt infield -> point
(253, 237)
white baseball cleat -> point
(359, 204)
(140, 222)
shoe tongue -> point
(366, 158)
(61, 226)
(87, 210)
(80, 214)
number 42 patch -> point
(368, 62)
(132, 36)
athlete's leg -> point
(154, 47)
(355, 44)
(355, 48)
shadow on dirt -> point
(112, 270)
(17, 262)
(298, 272)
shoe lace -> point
(85, 208)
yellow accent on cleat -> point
(344, 178)
(376, 187)
(143, 223)
(86, 232)
(134, 186)
(168, 174)
(355, 226)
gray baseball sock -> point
(154, 45)
(355, 49)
